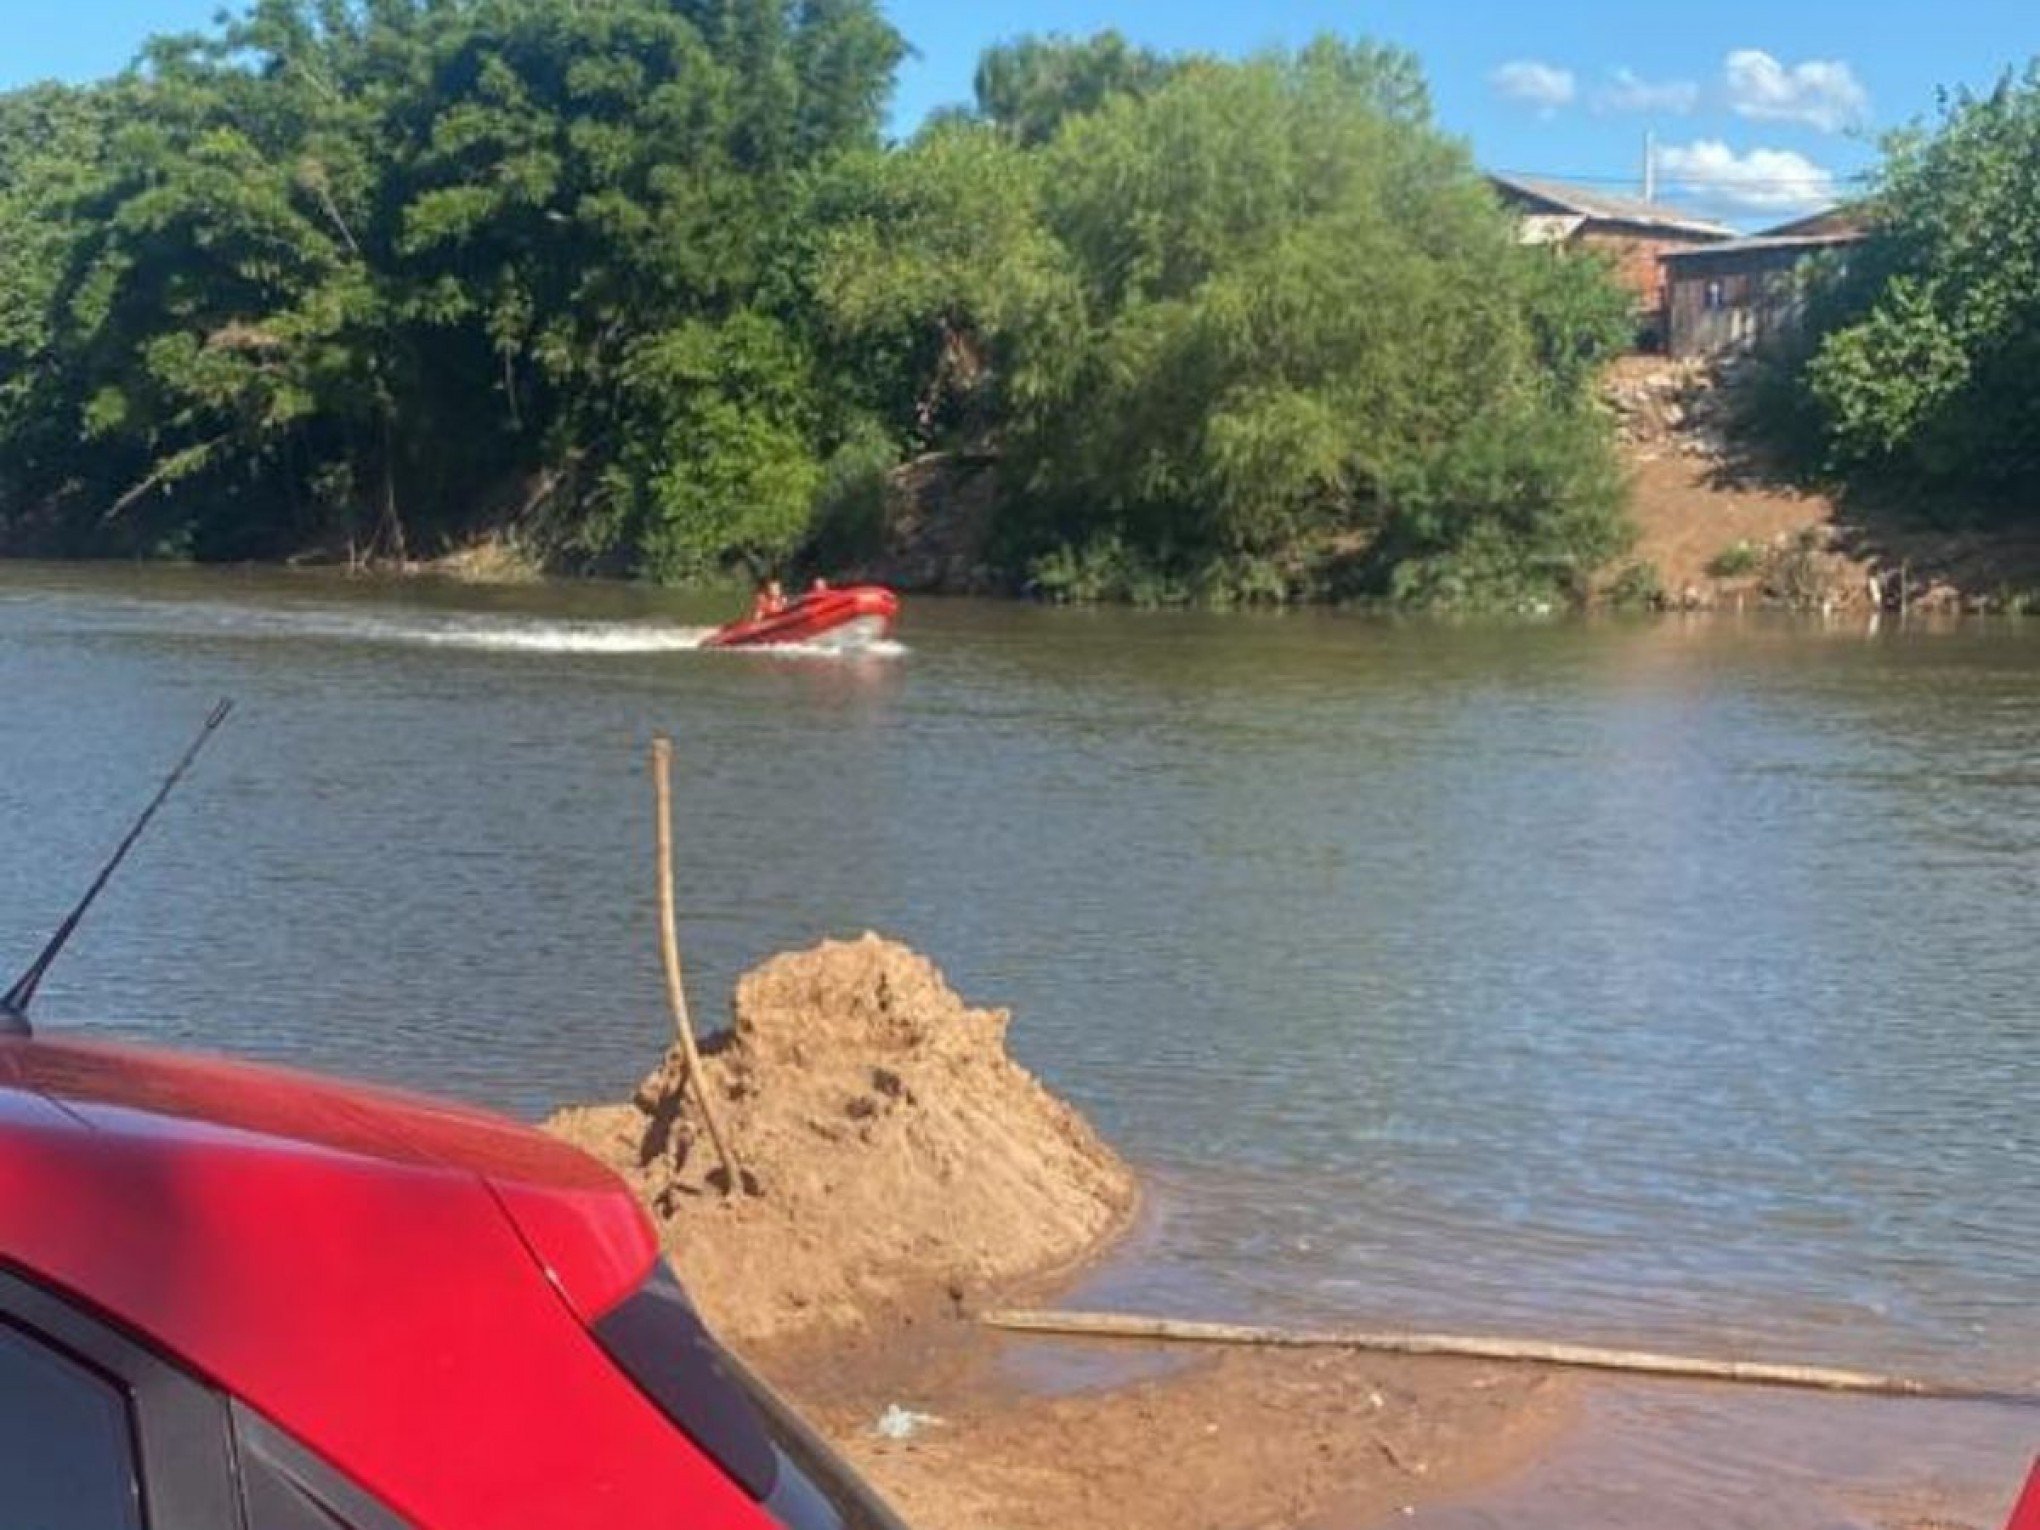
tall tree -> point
(1316, 350)
(53, 142)
(1926, 352)
(372, 260)
(938, 264)
(1030, 87)
(638, 280)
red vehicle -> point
(237, 1298)
(232, 1295)
(854, 614)
(2026, 1512)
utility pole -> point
(1649, 165)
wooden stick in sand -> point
(1116, 1325)
(669, 948)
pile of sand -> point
(895, 1157)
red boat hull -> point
(862, 611)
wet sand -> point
(1221, 1442)
(1666, 1456)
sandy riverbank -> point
(905, 1172)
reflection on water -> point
(1663, 982)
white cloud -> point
(1820, 93)
(1627, 92)
(1709, 174)
(1527, 82)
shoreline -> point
(1033, 1433)
(1789, 536)
(1711, 534)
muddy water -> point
(1667, 982)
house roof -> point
(1842, 219)
(1604, 207)
(1757, 244)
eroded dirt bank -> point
(901, 1171)
(1719, 527)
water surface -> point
(1668, 982)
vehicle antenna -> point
(14, 1004)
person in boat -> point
(819, 587)
(769, 601)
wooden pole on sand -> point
(1116, 1325)
(669, 949)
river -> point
(1664, 981)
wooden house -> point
(1744, 294)
(1636, 235)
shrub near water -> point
(1736, 561)
(1315, 361)
(1917, 366)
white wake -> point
(472, 632)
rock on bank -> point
(895, 1156)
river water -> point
(1669, 982)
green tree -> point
(637, 279)
(53, 141)
(1314, 346)
(939, 272)
(350, 271)
(1029, 87)
(1924, 348)
(717, 471)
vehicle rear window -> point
(661, 1343)
(663, 1346)
(67, 1459)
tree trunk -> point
(389, 531)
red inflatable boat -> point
(846, 618)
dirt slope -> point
(1722, 528)
(1717, 532)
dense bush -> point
(1258, 331)
(337, 273)
(640, 274)
(1916, 369)
(1316, 341)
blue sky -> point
(1761, 108)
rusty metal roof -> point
(1728, 249)
(1843, 218)
(1603, 207)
